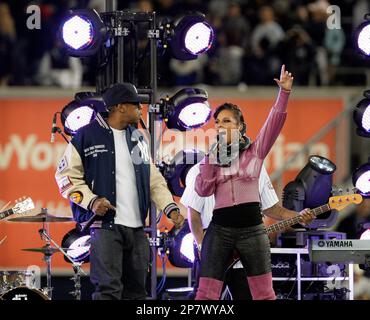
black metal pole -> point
(115, 71)
(120, 58)
(152, 118)
(110, 5)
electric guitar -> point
(335, 203)
(22, 205)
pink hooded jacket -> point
(239, 183)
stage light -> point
(198, 38)
(322, 165)
(195, 114)
(312, 188)
(76, 115)
(361, 115)
(175, 172)
(187, 247)
(181, 253)
(365, 235)
(82, 32)
(363, 36)
(187, 109)
(92, 99)
(361, 180)
(78, 32)
(189, 36)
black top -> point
(239, 216)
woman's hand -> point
(286, 79)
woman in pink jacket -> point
(231, 173)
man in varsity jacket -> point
(106, 169)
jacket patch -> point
(63, 164)
(95, 150)
(144, 150)
(76, 197)
(64, 184)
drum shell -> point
(72, 236)
(10, 279)
(24, 294)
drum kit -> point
(19, 285)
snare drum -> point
(24, 294)
(12, 279)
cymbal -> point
(44, 250)
(41, 217)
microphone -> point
(216, 144)
(53, 128)
(213, 148)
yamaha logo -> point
(321, 243)
(335, 243)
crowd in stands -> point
(253, 39)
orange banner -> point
(28, 160)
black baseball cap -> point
(121, 93)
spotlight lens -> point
(187, 247)
(363, 40)
(363, 182)
(195, 114)
(79, 118)
(78, 32)
(198, 38)
(365, 235)
(366, 117)
(323, 164)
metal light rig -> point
(114, 37)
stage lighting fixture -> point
(186, 110)
(76, 115)
(176, 171)
(365, 235)
(91, 98)
(312, 188)
(181, 253)
(188, 36)
(187, 247)
(361, 115)
(361, 180)
(83, 32)
(322, 165)
(363, 36)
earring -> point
(240, 136)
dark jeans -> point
(252, 243)
(119, 261)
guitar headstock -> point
(340, 202)
(23, 204)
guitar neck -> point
(292, 221)
(6, 213)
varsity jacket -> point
(87, 171)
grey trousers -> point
(119, 261)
